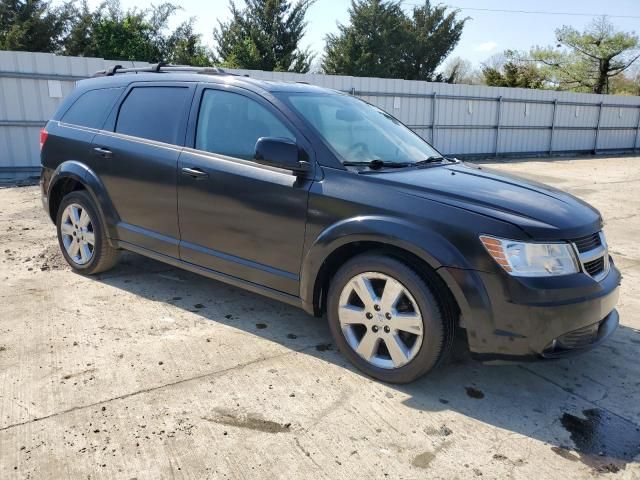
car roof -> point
(125, 78)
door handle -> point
(194, 172)
(103, 152)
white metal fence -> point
(457, 119)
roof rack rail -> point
(161, 67)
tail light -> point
(43, 137)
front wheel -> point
(81, 236)
(386, 319)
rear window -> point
(92, 107)
(154, 113)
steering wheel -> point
(359, 150)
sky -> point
(485, 34)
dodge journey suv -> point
(323, 201)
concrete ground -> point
(152, 372)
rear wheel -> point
(386, 319)
(82, 238)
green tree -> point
(141, 35)
(381, 40)
(79, 39)
(586, 61)
(512, 70)
(372, 44)
(264, 35)
(132, 34)
(31, 25)
(433, 34)
(184, 47)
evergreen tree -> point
(373, 44)
(184, 47)
(586, 61)
(264, 35)
(381, 40)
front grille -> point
(589, 242)
(594, 267)
(593, 255)
(578, 338)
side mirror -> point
(280, 153)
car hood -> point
(543, 212)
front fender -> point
(424, 243)
(79, 172)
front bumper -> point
(582, 339)
(526, 319)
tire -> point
(79, 232)
(417, 302)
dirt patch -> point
(565, 453)
(51, 259)
(248, 421)
(423, 460)
(78, 374)
(443, 431)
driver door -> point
(236, 216)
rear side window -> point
(92, 107)
(154, 113)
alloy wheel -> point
(380, 320)
(78, 234)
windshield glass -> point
(359, 132)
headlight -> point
(522, 259)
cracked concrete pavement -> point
(151, 372)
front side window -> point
(357, 131)
(92, 107)
(231, 124)
(154, 113)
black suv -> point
(323, 201)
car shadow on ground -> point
(584, 408)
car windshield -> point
(358, 132)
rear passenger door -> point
(136, 156)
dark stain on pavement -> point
(474, 392)
(424, 459)
(603, 441)
(232, 419)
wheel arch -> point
(394, 237)
(72, 176)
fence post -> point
(553, 126)
(595, 143)
(635, 140)
(495, 147)
(433, 119)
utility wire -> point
(533, 12)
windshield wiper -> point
(377, 164)
(431, 159)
